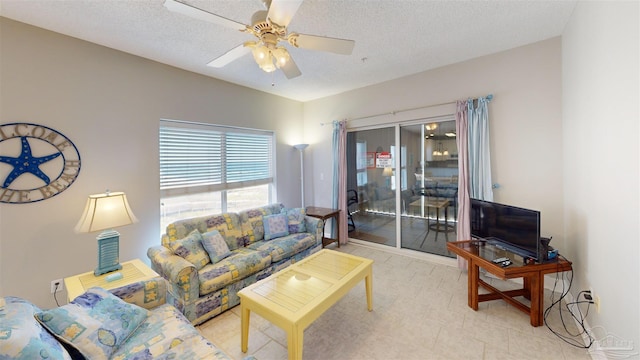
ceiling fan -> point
(270, 28)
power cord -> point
(55, 291)
(580, 319)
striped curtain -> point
(340, 178)
(474, 161)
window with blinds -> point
(208, 169)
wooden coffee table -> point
(295, 297)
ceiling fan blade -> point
(290, 69)
(200, 14)
(281, 11)
(321, 43)
(231, 55)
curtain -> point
(480, 185)
(340, 178)
(464, 231)
(474, 161)
(464, 228)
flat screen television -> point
(514, 229)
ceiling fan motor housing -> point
(269, 33)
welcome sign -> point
(36, 163)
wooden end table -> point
(480, 255)
(132, 271)
(324, 214)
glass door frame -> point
(396, 179)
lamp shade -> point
(105, 211)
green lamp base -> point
(108, 252)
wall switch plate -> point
(59, 283)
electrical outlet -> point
(596, 302)
(59, 283)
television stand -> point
(533, 277)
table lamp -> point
(105, 212)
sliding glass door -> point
(429, 204)
(370, 185)
(404, 188)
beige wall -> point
(600, 50)
(525, 117)
(109, 103)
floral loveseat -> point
(208, 259)
(100, 325)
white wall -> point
(601, 95)
(109, 103)
(525, 117)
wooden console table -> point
(480, 255)
(324, 214)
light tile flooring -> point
(420, 312)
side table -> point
(132, 271)
(324, 214)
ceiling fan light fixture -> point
(260, 53)
(266, 63)
(282, 56)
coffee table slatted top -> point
(310, 278)
(298, 290)
(292, 298)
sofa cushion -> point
(21, 336)
(285, 247)
(215, 246)
(228, 224)
(191, 249)
(275, 226)
(296, 220)
(252, 226)
(95, 323)
(167, 334)
(242, 263)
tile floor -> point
(420, 312)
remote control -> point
(113, 277)
(499, 260)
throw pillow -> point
(96, 323)
(22, 337)
(190, 248)
(215, 246)
(275, 226)
(296, 220)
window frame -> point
(233, 159)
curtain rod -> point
(488, 97)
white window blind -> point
(201, 158)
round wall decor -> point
(36, 163)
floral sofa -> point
(208, 259)
(130, 322)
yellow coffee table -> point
(295, 297)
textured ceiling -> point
(393, 38)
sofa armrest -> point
(181, 274)
(148, 293)
(315, 226)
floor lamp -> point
(301, 148)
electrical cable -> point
(570, 339)
(55, 291)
